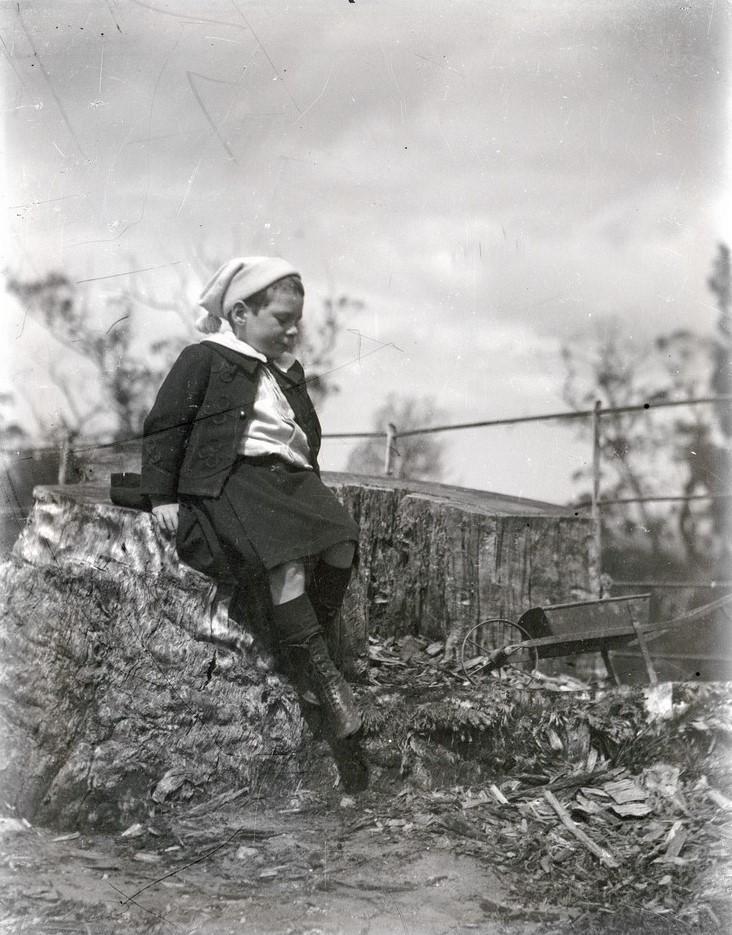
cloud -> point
(491, 179)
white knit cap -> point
(240, 278)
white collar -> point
(229, 339)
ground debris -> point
(654, 794)
(501, 776)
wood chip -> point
(584, 804)
(631, 809)
(474, 801)
(676, 840)
(721, 800)
(625, 790)
(246, 853)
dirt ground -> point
(297, 868)
(310, 864)
(472, 822)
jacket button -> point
(242, 413)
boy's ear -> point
(239, 311)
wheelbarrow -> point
(570, 629)
(559, 630)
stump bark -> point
(126, 685)
(434, 560)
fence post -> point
(67, 458)
(596, 512)
(391, 434)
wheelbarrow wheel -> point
(481, 649)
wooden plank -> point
(598, 635)
(652, 677)
(578, 618)
(594, 603)
(579, 647)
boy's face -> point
(273, 329)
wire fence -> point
(596, 502)
(391, 435)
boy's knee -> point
(340, 555)
(287, 581)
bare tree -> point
(419, 457)
(123, 381)
(720, 467)
(663, 452)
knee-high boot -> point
(301, 637)
(327, 588)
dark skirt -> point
(274, 511)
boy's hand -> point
(166, 516)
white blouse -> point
(271, 428)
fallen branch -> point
(605, 857)
(591, 777)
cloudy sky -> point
(490, 179)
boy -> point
(230, 463)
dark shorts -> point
(275, 511)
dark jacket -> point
(193, 434)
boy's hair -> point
(290, 285)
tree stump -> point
(125, 684)
(435, 560)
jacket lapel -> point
(250, 364)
